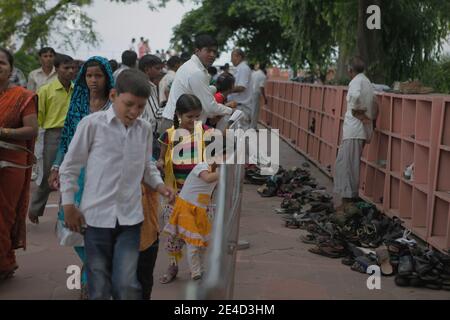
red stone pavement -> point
(276, 266)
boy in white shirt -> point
(115, 148)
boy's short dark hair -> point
(47, 50)
(185, 56)
(212, 70)
(225, 82)
(133, 81)
(62, 59)
(129, 58)
(205, 41)
(114, 65)
(173, 61)
(148, 61)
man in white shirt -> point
(36, 79)
(114, 147)
(173, 64)
(193, 78)
(259, 82)
(46, 73)
(129, 59)
(242, 92)
(357, 129)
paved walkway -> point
(277, 265)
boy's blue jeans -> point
(111, 262)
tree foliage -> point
(30, 23)
(411, 33)
(253, 25)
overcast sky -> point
(117, 23)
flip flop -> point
(328, 250)
(170, 276)
(308, 239)
(383, 260)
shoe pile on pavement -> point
(284, 183)
(360, 234)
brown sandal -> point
(328, 250)
(171, 274)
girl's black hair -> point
(224, 82)
(9, 56)
(185, 103)
(94, 63)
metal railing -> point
(218, 281)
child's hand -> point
(160, 164)
(167, 192)
(232, 104)
(73, 218)
(53, 180)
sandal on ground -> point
(308, 238)
(170, 276)
(384, 262)
(328, 250)
(362, 263)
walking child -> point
(186, 135)
(189, 220)
(115, 148)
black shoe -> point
(406, 266)
(402, 281)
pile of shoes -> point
(362, 236)
(422, 267)
(253, 175)
(283, 184)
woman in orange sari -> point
(18, 129)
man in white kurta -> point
(357, 129)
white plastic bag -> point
(68, 238)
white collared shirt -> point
(193, 78)
(37, 78)
(243, 76)
(359, 97)
(116, 160)
(152, 112)
(165, 84)
(259, 81)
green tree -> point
(30, 23)
(253, 25)
(411, 34)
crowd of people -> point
(103, 135)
